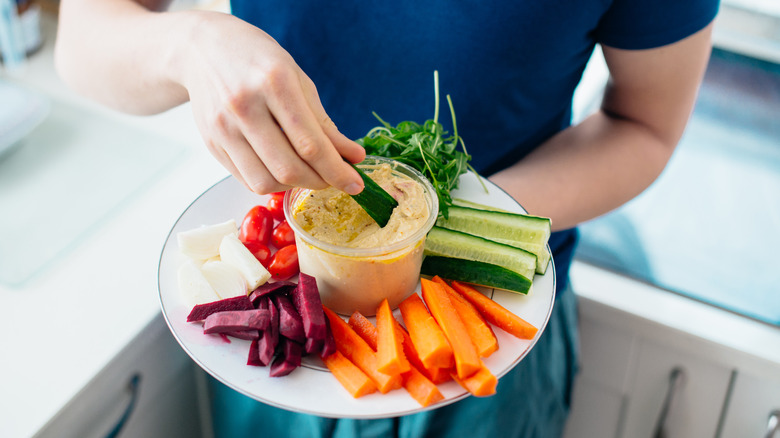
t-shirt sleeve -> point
(645, 24)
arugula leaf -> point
(426, 147)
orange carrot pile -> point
(354, 348)
(446, 334)
(419, 386)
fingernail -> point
(353, 189)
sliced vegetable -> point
(495, 313)
(253, 358)
(450, 243)
(269, 338)
(480, 384)
(306, 299)
(479, 273)
(288, 359)
(236, 320)
(375, 200)
(202, 243)
(531, 233)
(355, 381)
(434, 374)
(419, 386)
(201, 311)
(467, 360)
(354, 348)
(225, 278)
(329, 344)
(364, 328)
(427, 337)
(390, 353)
(479, 330)
(233, 251)
(282, 287)
(290, 322)
(193, 286)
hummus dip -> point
(356, 263)
(332, 216)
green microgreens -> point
(427, 147)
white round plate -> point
(312, 389)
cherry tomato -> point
(284, 263)
(261, 251)
(276, 207)
(282, 235)
(258, 225)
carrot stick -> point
(480, 384)
(354, 348)
(349, 375)
(420, 387)
(364, 328)
(479, 330)
(495, 313)
(427, 337)
(434, 374)
(415, 381)
(467, 360)
(389, 352)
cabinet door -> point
(163, 404)
(697, 399)
(753, 400)
(600, 388)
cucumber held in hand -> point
(375, 200)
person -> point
(280, 89)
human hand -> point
(259, 113)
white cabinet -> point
(754, 402)
(164, 402)
(678, 392)
(626, 382)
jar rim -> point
(432, 201)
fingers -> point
(307, 136)
(353, 152)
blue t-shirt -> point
(511, 67)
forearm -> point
(589, 169)
(122, 54)
(586, 170)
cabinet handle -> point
(676, 381)
(132, 387)
(773, 425)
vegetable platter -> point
(312, 388)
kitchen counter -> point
(63, 326)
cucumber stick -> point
(375, 200)
(450, 243)
(527, 232)
(474, 272)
